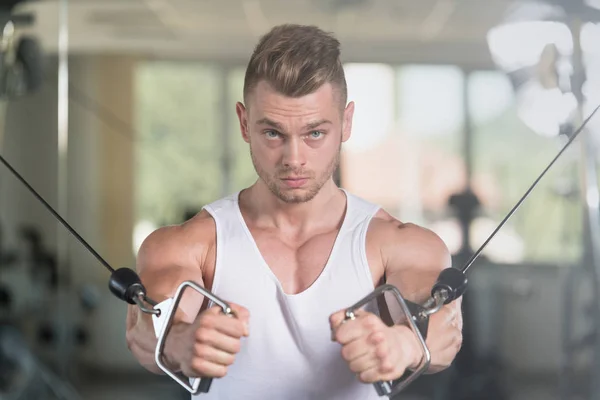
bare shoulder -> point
(184, 247)
(406, 245)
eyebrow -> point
(277, 125)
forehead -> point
(265, 100)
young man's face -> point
(295, 142)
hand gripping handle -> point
(197, 385)
(417, 321)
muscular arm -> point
(413, 257)
(168, 257)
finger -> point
(218, 340)
(363, 325)
(232, 326)
(204, 368)
(214, 355)
(240, 312)
(364, 363)
(336, 319)
(380, 372)
(226, 324)
(349, 331)
(370, 375)
(356, 349)
(362, 353)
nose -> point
(293, 155)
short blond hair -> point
(296, 60)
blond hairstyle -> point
(296, 60)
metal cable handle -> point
(165, 321)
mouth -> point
(295, 182)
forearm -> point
(444, 339)
(142, 341)
(445, 336)
(413, 258)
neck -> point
(266, 209)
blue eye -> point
(316, 134)
(272, 134)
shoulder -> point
(176, 253)
(407, 245)
(183, 245)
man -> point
(292, 252)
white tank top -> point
(289, 353)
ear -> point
(347, 121)
(242, 114)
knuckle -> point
(199, 365)
(238, 309)
(336, 317)
(386, 367)
(376, 337)
(364, 377)
(346, 352)
(239, 326)
(221, 371)
(203, 335)
(202, 351)
(130, 340)
(354, 367)
(338, 335)
(381, 352)
(332, 319)
(457, 341)
(230, 359)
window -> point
(405, 151)
(508, 158)
(189, 150)
(407, 154)
(178, 151)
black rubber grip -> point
(204, 386)
(125, 283)
(454, 281)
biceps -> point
(414, 285)
(164, 282)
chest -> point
(296, 262)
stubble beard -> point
(306, 194)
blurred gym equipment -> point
(21, 67)
(26, 313)
(559, 73)
(28, 318)
(22, 376)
